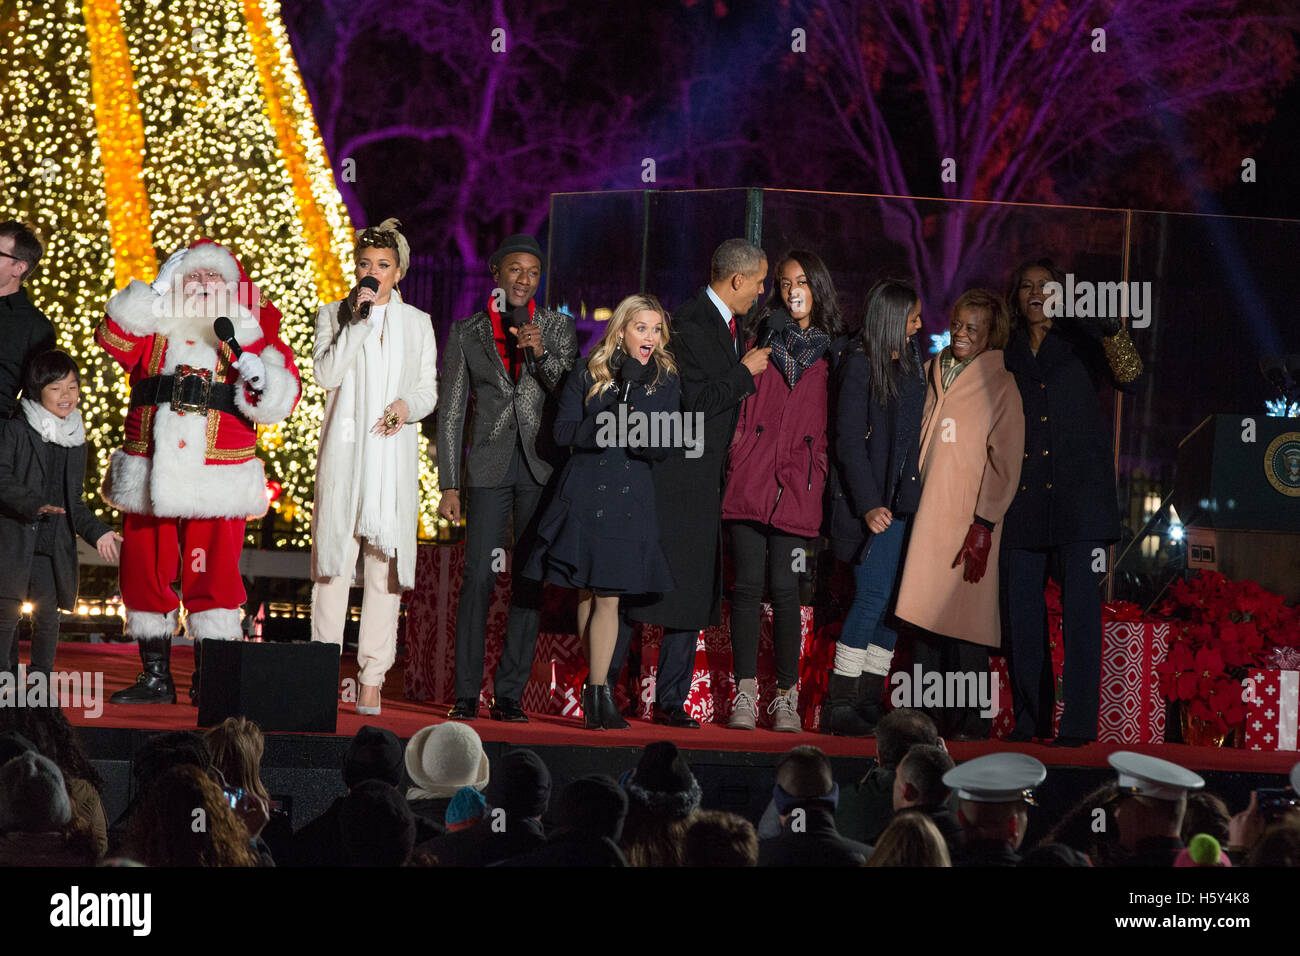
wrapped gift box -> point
(1004, 721)
(1272, 710)
(1132, 709)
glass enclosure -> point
(1214, 295)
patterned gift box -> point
(1272, 710)
(713, 686)
(1132, 710)
(1004, 721)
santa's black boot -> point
(154, 684)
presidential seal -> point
(1282, 463)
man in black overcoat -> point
(707, 338)
(27, 332)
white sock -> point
(849, 660)
(877, 660)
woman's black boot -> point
(610, 718)
(591, 707)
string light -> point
(141, 127)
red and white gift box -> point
(1132, 709)
(1272, 710)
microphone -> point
(1272, 369)
(225, 331)
(776, 322)
(521, 318)
(371, 283)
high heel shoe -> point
(365, 711)
(610, 718)
(591, 707)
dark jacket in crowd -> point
(817, 844)
(876, 450)
(320, 841)
(506, 412)
(866, 807)
(484, 845)
(1067, 479)
(986, 853)
(949, 827)
(24, 459)
(689, 490)
(776, 472)
(27, 333)
(571, 848)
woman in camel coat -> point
(972, 444)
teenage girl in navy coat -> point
(600, 533)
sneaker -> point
(744, 710)
(785, 711)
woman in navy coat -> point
(1065, 511)
(619, 411)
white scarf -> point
(68, 432)
(382, 368)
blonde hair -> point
(386, 235)
(911, 839)
(602, 374)
(237, 746)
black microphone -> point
(225, 331)
(519, 314)
(776, 322)
(371, 283)
(1272, 368)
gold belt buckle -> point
(204, 377)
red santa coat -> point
(193, 465)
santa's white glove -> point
(251, 369)
(163, 283)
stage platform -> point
(734, 767)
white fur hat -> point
(442, 758)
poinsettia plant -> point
(1223, 629)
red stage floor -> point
(119, 664)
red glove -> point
(975, 552)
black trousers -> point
(1025, 573)
(947, 655)
(45, 621)
(762, 552)
(488, 513)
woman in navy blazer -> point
(600, 533)
(874, 488)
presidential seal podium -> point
(1237, 490)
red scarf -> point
(499, 332)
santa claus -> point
(187, 476)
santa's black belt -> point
(185, 393)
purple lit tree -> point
(1035, 101)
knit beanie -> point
(373, 754)
(663, 782)
(521, 784)
(465, 809)
(593, 805)
(33, 798)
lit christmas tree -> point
(130, 129)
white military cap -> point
(1152, 777)
(996, 778)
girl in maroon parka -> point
(775, 476)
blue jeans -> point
(877, 578)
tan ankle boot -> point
(744, 710)
(785, 711)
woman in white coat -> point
(376, 358)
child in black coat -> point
(42, 474)
(600, 533)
